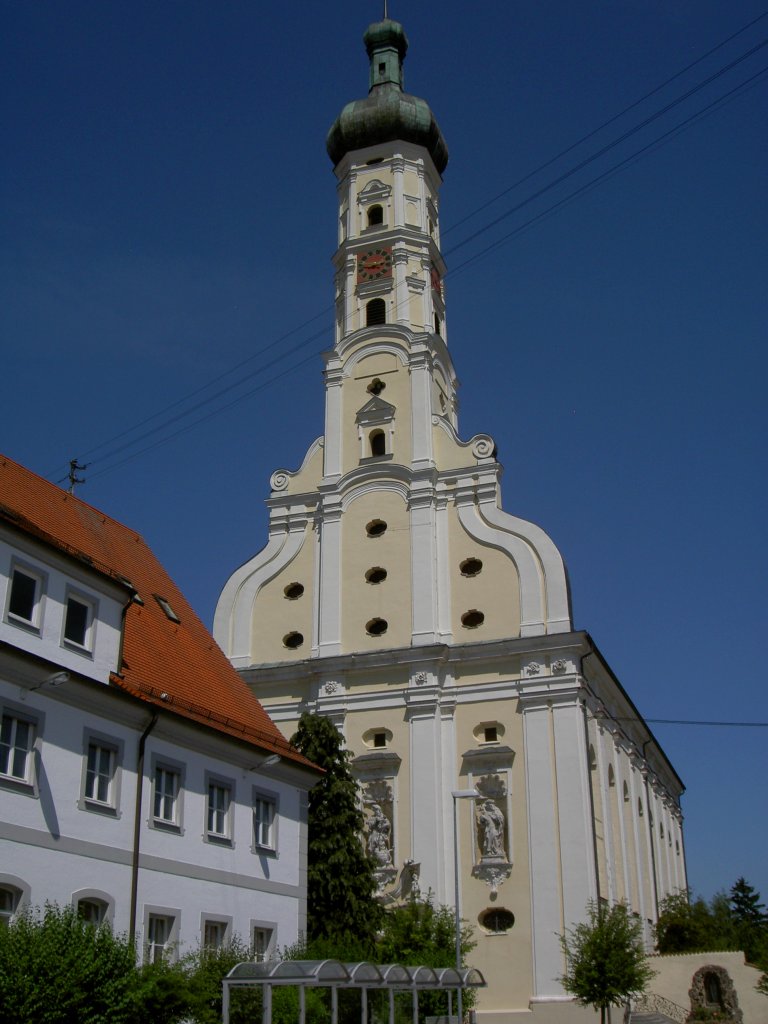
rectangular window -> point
(263, 822)
(214, 934)
(166, 795)
(219, 802)
(16, 738)
(77, 622)
(262, 942)
(99, 773)
(24, 599)
(159, 929)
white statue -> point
(379, 831)
(490, 823)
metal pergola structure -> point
(333, 974)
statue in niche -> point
(379, 834)
(490, 825)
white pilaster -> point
(543, 850)
(330, 579)
(421, 507)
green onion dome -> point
(387, 113)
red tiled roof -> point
(176, 666)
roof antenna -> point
(74, 479)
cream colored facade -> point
(397, 597)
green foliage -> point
(745, 904)
(340, 881)
(605, 959)
(689, 926)
(56, 968)
(205, 969)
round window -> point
(293, 640)
(472, 619)
(376, 627)
(294, 591)
(471, 567)
(376, 574)
(376, 528)
(497, 920)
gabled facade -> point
(398, 597)
(140, 780)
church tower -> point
(397, 597)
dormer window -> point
(375, 313)
(78, 622)
(169, 612)
(375, 216)
(25, 597)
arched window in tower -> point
(611, 776)
(375, 313)
(626, 793)
(375, 216)
(437, 324)
(378, 441)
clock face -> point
(374, 264)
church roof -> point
(174, 665)
(387, 113)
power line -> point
(687, 721)
(655, 143)
(610, 145)
(261, 368)
(605, 124)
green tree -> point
(687, 925)
(605, 959)
(745, 904)
(340, 881)
(58, 969)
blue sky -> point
(169, 212)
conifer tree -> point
(745, 904)
(340, 881)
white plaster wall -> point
(47, 641)
(57, 848)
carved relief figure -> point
(490, 824)
(379, 832)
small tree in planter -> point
(604, 957)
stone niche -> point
(713, 997)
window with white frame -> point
(264, 824)
(16, 738)
(24, 599)
(159, 936)
(9, 903)
(166, 798)
(100, 774)
(219, 810)
(78, 622)
(262, 942)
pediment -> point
(374, 190)
(375, 410)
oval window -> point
(376, 574)
(376, 627)
(497, 920)
(471, 567)
(472, 619)
(376, 527)
(293, 640)
(294, 591)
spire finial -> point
(385, 10)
